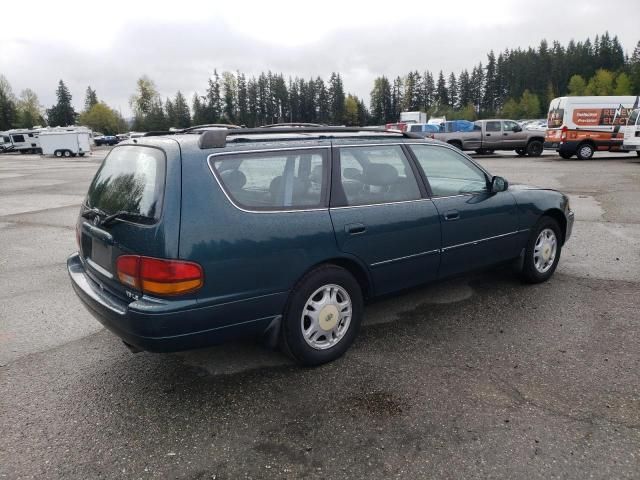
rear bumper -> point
(160, 325)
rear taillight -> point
(563, 134)
(159, 276)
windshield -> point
(131, 179)
(555, 118)
(633, 118)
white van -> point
(583, 125)
(631, 140)
(65, 143)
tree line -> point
(515, 83)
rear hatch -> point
(126, 211)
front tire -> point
(542, 252)
(323, 316)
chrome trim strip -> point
(98, 268)
(380, 204)
(481, 240)
(238, 152)
(421, 254)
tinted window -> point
(448, 172)
(130, 179)
(274, 180)
(380, 174)
(416, 128)
(18, 138)
(493, 126)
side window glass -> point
(274, 180)
(493, 126)
(509, 126)
(380, 174)
(449, 173)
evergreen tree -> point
(230, 97)
(428, 91)
(442, 95)
(323, 102)
(212, 102)
(490, 95)
(477, 87)
(199, 114)
(243, 106)
(62, 113)
(90, 99)
(396, 98)
(170, 113)
(634, 68)
(182, 115)
(452, 88)
(252, 102)
(464, 89)
(337, 100)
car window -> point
(416, 128)
(493, 127)
(449, 172)
(379, 174)
(508, 125)
(274, 180)
(18, 138)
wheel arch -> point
(539, 139)
(354, 267)
(559, 217)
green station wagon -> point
(191, 239)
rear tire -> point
(66, 153)
(585, 151)
(534, 148)
(58, 153)
(323, 301)
(542, 252)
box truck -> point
(583, 125)
(631, 136)
(65, 142)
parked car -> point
(188, 240)
(105, 140)
(490, 135)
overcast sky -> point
(108, 45)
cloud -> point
(180, 49)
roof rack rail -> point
(209, 125)
(218, 138)
(294, 124)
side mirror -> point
(498, 184)
(517, 128)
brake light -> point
(159, 276)
(563, 134)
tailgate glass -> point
(130, 179)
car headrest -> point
(380, 174)
(352, 174)
(277, 187)
(316, 174)
(233, 179)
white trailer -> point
(413, 117)
(25, 140)
(65, 143)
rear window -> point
(131, 179)
(284, 180)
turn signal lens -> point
(159, 276)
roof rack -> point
(218, 138)
(294, 124)
(209, 125)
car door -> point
(382, 216)
(492, 134)
(478, 227)
(513, 136)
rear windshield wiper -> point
(123, 214)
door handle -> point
(452, 215)
(355, 228)
(488, 134)
(505, 133)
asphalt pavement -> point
(480, 376)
